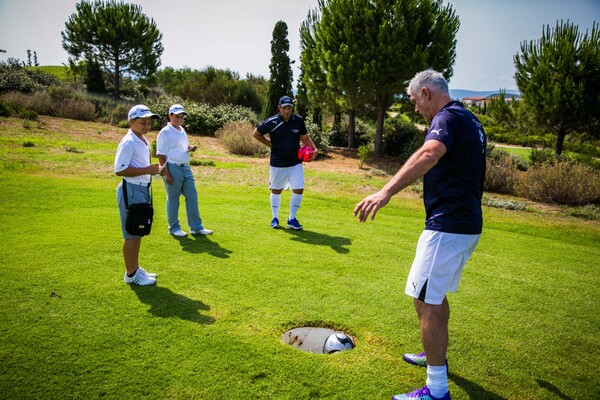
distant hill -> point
(57, 70)
(459, 94)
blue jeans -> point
(183, 184)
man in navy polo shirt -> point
(285, 131)
(452, 164)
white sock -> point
(295, 204)
(275, 203)
(437, 380)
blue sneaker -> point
(294, 224)
(274, 223)
(420, 394)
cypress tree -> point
(280, 81)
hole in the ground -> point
(318, 340)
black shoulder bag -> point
(139, 215)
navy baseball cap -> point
(286, 101)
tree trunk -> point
(378, 150)
(560, 139)
(117, 79)
(351, 129)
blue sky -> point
(236, 34)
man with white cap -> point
(132, 162)
(173, 150)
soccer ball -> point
(305, 153)
(337, 342)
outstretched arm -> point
(415, 167)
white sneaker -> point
(179, 233)
(139, 278)
(201, 232)
(150, 274)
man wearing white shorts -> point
(285, 131)
(452, 165)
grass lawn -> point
(525, 322)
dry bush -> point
(47, 104)
(561, 183)
(82, 110)
(501, 173)
(237, 138)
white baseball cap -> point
(141, 111)
(177, 109)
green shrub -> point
(363, 133)
(28, 115)
(318, 137)
(364, 152)
(203, 119)
(562, 183)
(401, 138)
(119, 113)
(540, 156)
(589, 211)
(202, 163)
(5, 110)
(16, 78)
(237, 138)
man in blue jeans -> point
(452, 164)
(173, 150)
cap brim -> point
(286, 104)
(149, 115)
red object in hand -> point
(305, 153)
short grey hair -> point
(430, 79)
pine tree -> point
(559, 80)
(280, 81)
(370, 49)
(118, 35)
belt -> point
(144, 184)
(179, 164)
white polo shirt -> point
(173, 144)
(133, 152)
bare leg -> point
(131, 252)
(434, 330)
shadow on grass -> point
(337, 243)
(473, 390)
(166, 304)
(202, 244)
(552, 389)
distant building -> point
(483, 102)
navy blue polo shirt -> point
(285, 139)
(452, 189)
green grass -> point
(59, 71)
(522, 152)
(524, 322)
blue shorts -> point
(135, 194)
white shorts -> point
(282, 178)
(438, 265)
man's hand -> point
(370, 205)
(153, 169)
